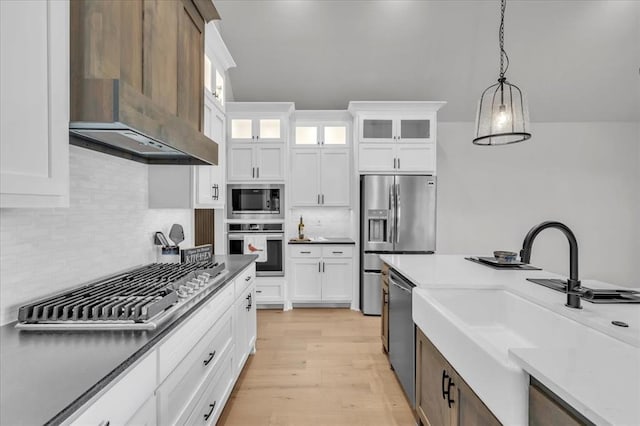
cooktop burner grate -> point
(136, 296)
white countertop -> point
(602, 383)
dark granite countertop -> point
(45, 376)
(327, 240)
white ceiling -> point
(576, 60)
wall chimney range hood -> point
(137, 83)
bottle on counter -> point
(301, 229)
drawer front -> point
(306, 250)
(118, 404)
(269, 293)
(245, 278)
(181, 342)
(337, 251)
(180, 388)
(208, 408)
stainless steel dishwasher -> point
(402, 344)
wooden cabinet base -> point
(442, 396)
(545, 408)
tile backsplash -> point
(321, 222)
(107, 228)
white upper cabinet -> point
(248, 162)
(217, 60)
(256, 136)
(34, 87)
(320, 177)
(321, 159)
(396, 137)
(210, 181)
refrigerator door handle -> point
(398, 212)
(392, 214)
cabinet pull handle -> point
(215, 192)
(450, 400)
(248, 278)
(258, 172)
(253, 172)
(258, 137)
(259, 291)
(337, 252)
(394, 162)
(105, 423)
(322, 266)
(319, 266)
(445, 376)
(318, 198)
(208, 360)
(213, 406)
(305, 252)
(398, 163)
(322, 198)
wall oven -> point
(274, 235)
(254, 201)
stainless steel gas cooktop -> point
(140, 299)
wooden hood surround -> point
(137, 83)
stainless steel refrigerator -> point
(397, 215)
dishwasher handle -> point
(400, 282)
(400, 286)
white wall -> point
(107, 228)
(586, 175)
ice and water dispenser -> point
(377, 222)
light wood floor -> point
(317, 367)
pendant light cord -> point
(503, 54)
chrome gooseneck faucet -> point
(573, 283)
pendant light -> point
(503, 115)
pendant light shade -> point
(503, 116)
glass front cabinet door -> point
(407, 129)
(247, 129)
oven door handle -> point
(240, 236)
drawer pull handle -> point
(305, 252)
(337, 252)
(213, 407)
(248, 278)
(208, 360)
(258, 291)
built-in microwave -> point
(251, 201)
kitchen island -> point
(498, 331)
(50, 376)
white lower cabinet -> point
(207, 408)
(245, 331)
(147, 415)
(125, 398)
(183, 384)
(322, 273)
(188, 377)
